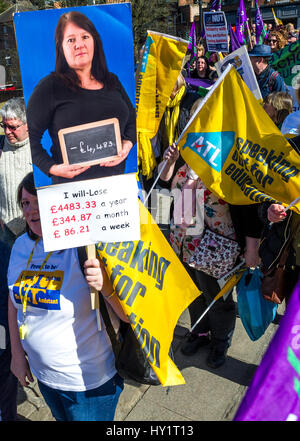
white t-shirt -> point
(65, 349)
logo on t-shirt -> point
(43, 289)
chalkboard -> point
(90, 144)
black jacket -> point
(275, 237)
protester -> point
(81, 90)
(218, 325)
(202, 69)
(276, 41)
(8, 382)
(172, 111)
(200, 50)
(15, 163)
(289, 27)
(268, 79)
(293, 36)
(284, 225)
(278, 106)
(72, 360)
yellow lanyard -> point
(23, 327)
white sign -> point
(216, 33)
(241, 61)
(86, 212)
(2, 76)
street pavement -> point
(208, 395)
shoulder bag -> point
(272, 286)
(130, 360)
(215, 255)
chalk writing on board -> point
(89, 144)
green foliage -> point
(4, 5)
(154, 15)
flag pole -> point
(249, 35)
(228, 285)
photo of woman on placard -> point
(81, 90)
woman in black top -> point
(81, 90)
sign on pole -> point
(216, 33)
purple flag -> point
(260, 26)
(274, 392)
(199, 82)
(235, 44)
(216, 5)
(242, 18)
(192, 46)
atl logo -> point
(212, 147)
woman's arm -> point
(97, 278)
(251, 255)
(171, 155)
(130, 129)
(19, 364)
(129, 136)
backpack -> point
(272, 80)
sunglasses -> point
(11, 128)
(272, 41)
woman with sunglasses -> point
(15, 163)
(276, 41)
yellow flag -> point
(277, 21)
(160, 67)
(236, 149)
(154, 289)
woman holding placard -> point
(51, 321)
(81, 90)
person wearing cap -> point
(268, 79)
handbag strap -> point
(82, 256)
(109, 327)
(285, 253)
(2, 139)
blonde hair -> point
(282, 103)
(180, 82)
(289, 27)
(201, 48)
(195, 105)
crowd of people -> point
(261, 231)
(76, 373)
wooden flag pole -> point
(91, 254)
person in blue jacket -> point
(268, 79)
(8, 382)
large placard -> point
(241, 61)
(51, 105)
(216, 33)
(87, 212)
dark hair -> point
(28, 184)
(99, 67)
(207, 70)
